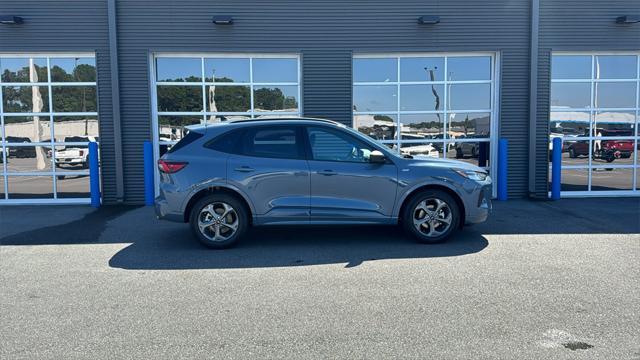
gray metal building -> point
(124, 72)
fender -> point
(404, 193)
(216, 183)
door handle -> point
(244, 169)
(327, 172)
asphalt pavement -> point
(539, 280)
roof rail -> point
(284, 118)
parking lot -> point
(539, 280)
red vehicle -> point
(605, 149)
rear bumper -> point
(163, 212)
(69, 161)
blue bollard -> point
(556, 165)
(94, 174)
(503, 149)
(149, 191)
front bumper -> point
(482, 209)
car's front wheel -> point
(218, 220)
(431, 216)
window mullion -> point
(445, 113)
(251, 109)
(398, 122)
(204, 91)
(4, 148)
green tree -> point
(273, 99)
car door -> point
(269, 166)
(345, 186)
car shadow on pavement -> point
(155, 244)
(290, 246)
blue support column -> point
(556, 168)
(149, 190)
(94, 174)
(503, 150)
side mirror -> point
(377, 157)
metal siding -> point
(326, 84)
(67, 26)
(576, 25)
(325, 33)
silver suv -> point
(225, 177)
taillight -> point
(81, 152)
(171, 167)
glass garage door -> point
(594, 110)
(209, 88)
(48, 114)
(438, 105)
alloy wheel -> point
(432, 217)
(218, 221)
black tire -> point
(609, 157)
(459, 154)
(240, 214)
(572, 153)
(411, 211)
(60, 177)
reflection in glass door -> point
(594, 110)
(438, 105)
(189, 89)
(48, 114)
(209, 88)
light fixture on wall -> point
(429, 19)
(627, 19)
(10, 20)
(222, 20)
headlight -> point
(473, 175)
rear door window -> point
(278, 142)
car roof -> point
(272, 121)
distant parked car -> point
(420, 149)
(225, 177)
(605, 149)
(467, 149)
(19, 151)
(73, 155)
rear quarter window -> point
(188, 139)
(227, 142)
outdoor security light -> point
(222, 20)
(429, 19)
(628, 19)
(10, 20)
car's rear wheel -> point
(431, 216)
(218, 220)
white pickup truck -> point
(74, 155)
